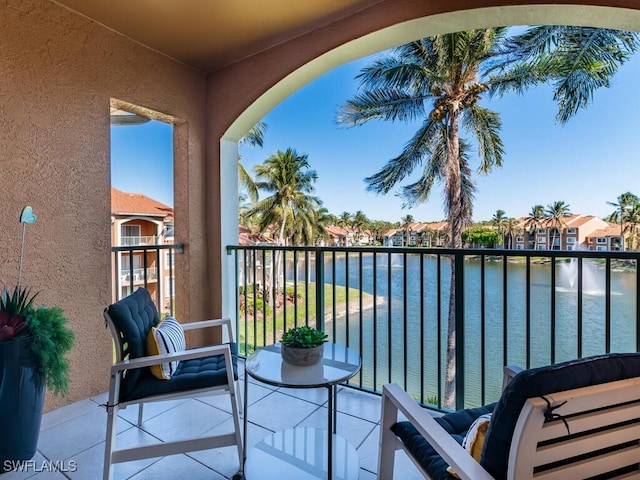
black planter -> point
(21, 403)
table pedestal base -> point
(301, 453)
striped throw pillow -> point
(167, 337)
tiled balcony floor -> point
(76, 433)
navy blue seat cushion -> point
(190, 375)
(133, 317)
(456, 424)
(543, 381)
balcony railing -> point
(139, 275)
(154, 268)
(128, 241)
(391, 304)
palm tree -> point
(287, 177)
(322, 219)
(359, 223)
(555, 212)
(511, 229)
(438, 80)
(406, 222)
(255, 138)
(534, 221)
(625, 202)
(633, 220)
(442, 70)
(499, 220)
(344, 219)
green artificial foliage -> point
(303, 337)
(52, 341)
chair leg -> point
(234, 408)
(140, 408)
(239, 397)
(112, 421)
(387, 444)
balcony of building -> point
(70, 61)
(390, 305)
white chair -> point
(572, 420)
(200, 371)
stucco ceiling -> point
(209, 34)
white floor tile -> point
(177, 467)
(278, 411)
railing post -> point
(459, 302)
(320, 289)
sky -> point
(586, 163)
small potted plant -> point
(302, 346)
(34, 342)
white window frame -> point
(520, 239)
(542, 240)
(601, 240)
(571, 239)
(571, 231)
(127, 226)
(542, 231)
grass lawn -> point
(269, 328)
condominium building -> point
(142, 223)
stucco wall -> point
(58, 72)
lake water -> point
(418, 304)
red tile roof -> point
(124, 203)
(246, 237)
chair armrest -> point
(450, 450)
(510, 371)
(150, 360)
(206, 324)
(218, 322)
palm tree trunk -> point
(276, 274)
(453, 189)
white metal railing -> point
(138, 275)
(128, 241)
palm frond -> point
(384, 103)
(396, 169)
(485, 125)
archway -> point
(376, 41)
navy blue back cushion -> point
(542, 381)
(133, 317)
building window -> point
(541, 239)
(540, 247)
(520, 239)
(569, 247)
(571, 231)
(542, 231)
(519, 247)
(601, 249)
(571, 240)
(167, 232)
(601, 240)
(130, 230)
